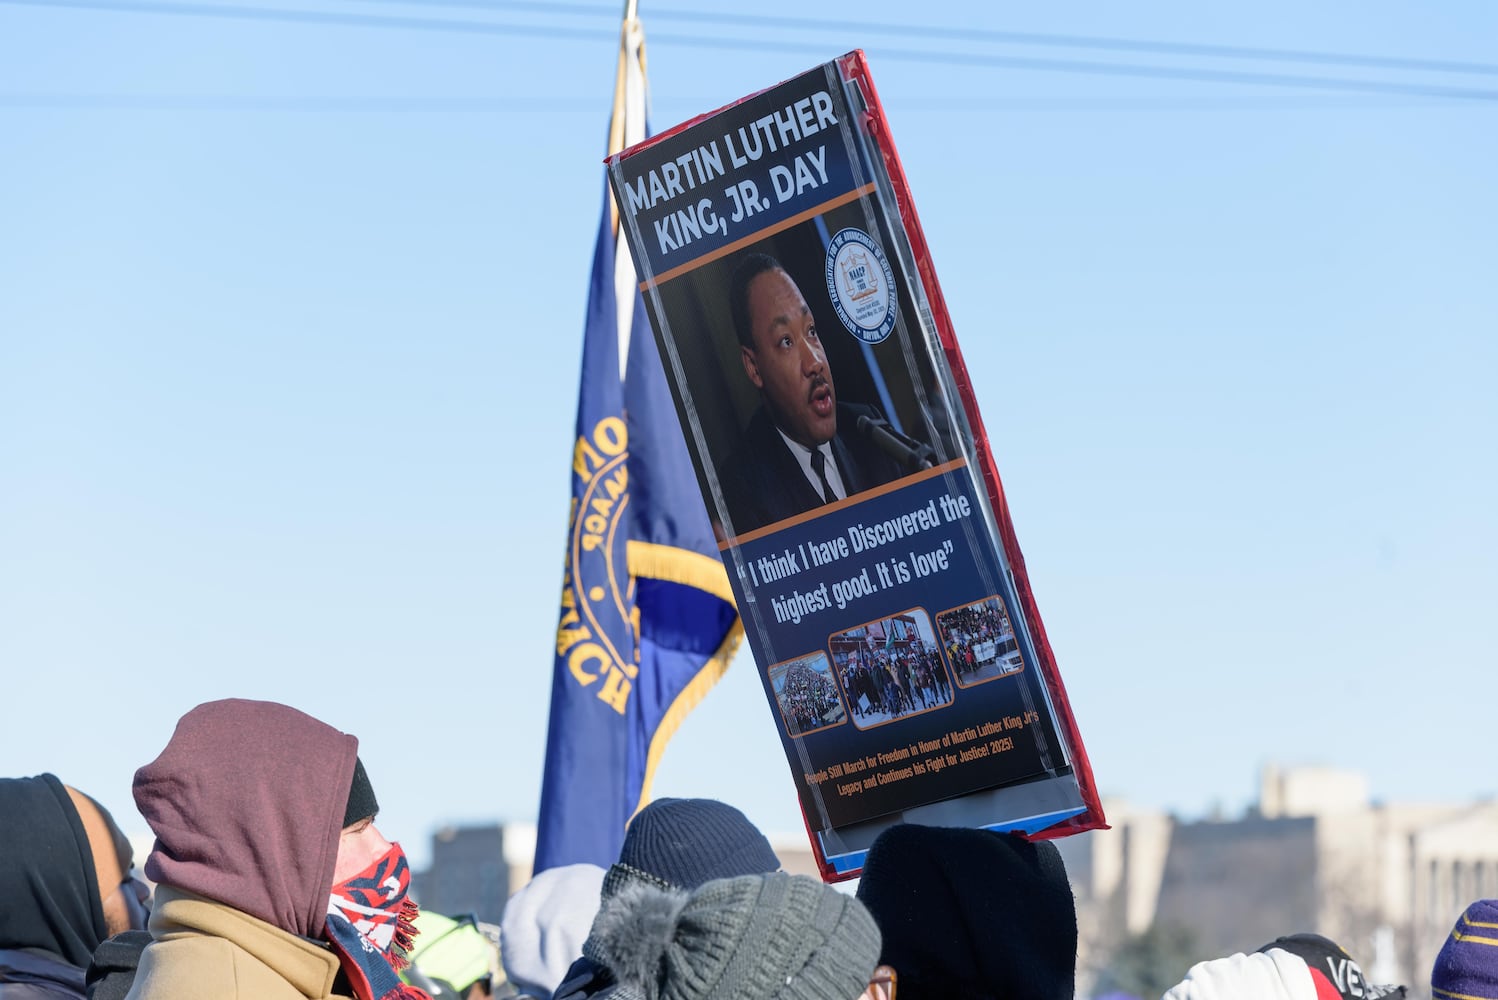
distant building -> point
(474, 869)
(1385, 881)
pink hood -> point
(247, 802)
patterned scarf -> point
(370, 927)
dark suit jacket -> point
(762, 481)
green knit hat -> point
(455, 952)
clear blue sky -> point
(290, 316)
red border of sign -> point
(854, 66)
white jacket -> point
(1265, 975)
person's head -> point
(1467, 964)
(265, 809)
(360, 842)
(545, 924)
(123, 897)
(682, 843)
(250, 802)
(1332, 969)
(64, 868)
(1271, 975)
(452, 958)
(781, 351)
(1295, 967)
(756, 937)
(971, 913)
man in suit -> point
(802, 448)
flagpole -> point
(625, 674)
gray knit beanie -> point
(757, 937)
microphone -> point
(910, 453)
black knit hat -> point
(968, 914)
(362, 803)
(683, 843)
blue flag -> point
(647, 622)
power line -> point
(1290, 102)
(238, 13)
(1121, 44)
(943, 58)
(966, 34)
(504, 105)
(1355, 86)
(297, 103)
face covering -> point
(370, 925)
(137, 897)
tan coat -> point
(203, 950)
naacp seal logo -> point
(598, 628)
(861, 285)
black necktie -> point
(819, 465)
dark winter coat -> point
(28, 975)
(51, 917)
(585, 979)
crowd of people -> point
(269, 880)
(809, 700)
(889, 683)
(967, 630)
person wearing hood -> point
(64, 887)
(972, 914)
(273, 882)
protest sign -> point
(839, 449)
